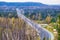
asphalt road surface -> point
(43, 33)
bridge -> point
(43, 33)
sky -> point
(50, 2)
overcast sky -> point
(53, 2)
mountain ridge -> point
(29, 5)
(22, 4)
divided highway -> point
(43, 33)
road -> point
(43, 33)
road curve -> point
(43, 33)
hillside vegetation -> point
(16, 29)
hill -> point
(21, 4)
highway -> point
(43, 33)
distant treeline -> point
(42, 13)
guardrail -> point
(43, 33)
